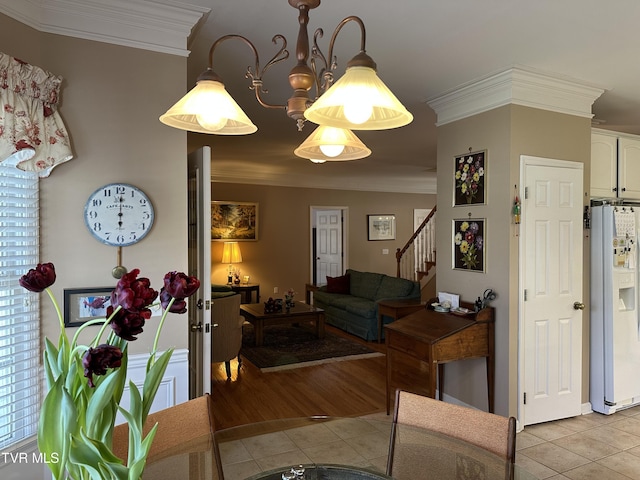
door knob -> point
(196, 327)
(578, 306)
(199, 304)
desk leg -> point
(320, 332)
(379, 327)
(491, 367)
(440, 381)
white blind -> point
(19, 319)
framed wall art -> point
(84, 304)
(234, 221)
(469, 178)
(381, 227)
(469, 244)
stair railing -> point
(419, 254)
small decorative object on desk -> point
(85, 383)
(236, 277)
(273, 306)
(288, 298)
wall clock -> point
(118, 214)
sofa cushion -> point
(334, 299)
(362, 307)
(339, 284)
(364, 284)
(392, 287)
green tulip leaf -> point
(152, 381)
(58, 419)
(99, 401)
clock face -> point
(118, 214)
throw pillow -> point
(338, 284)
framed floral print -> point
(470, 178)
(469, 244)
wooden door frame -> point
(529, 160)
(313, 209)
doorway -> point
(329, 243)
(551, 264)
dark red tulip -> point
(179, 285)
(133, 293)
(96, 361)
(39, 278)
(178, 306)
(128, 323)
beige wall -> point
(111, 99)
(281, 256)
(506, 133)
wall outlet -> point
(385, 251)
(275, 289)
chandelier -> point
(359, 100)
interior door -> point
(328, 245)
(199, 241)
(551, 247)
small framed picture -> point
(469, 244)
(84, 304)
(381, 227)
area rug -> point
(287, 347)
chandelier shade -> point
(359, 100)
(319, 145)
(208, 108)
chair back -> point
(226, 335)
(491, 432)
(179, 427)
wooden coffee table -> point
(301, 313)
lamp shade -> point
(208, 108)
(359, 100)
(324, 139)
(231, 253)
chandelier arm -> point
(316, 54)
(256, 75)
(328, 73)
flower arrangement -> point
(288, 298)
(469, 175)
(469, 242)
(86, 382)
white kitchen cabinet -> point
(615, 165)
(629, 168)
(604, 165)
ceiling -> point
(423, 48)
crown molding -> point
(157, 25)
(414, 184)
(519, 86)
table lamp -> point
(231, 254)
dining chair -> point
(182, 429)
(226, 334)
(493, 433)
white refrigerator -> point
(615, 324)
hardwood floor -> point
(349, 388)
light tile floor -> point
(593, 446)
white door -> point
(551, 246)
(328, 246)
(199, 218)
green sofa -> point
(350, 302)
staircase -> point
(418, 257)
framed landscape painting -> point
(381, 227)
(234, 221)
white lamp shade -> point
(331, 137)
(357, 93)
(208, 108)
(231, 253)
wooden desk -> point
(246, 290)
(396, 309)
(419, 345)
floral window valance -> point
(32, 134)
